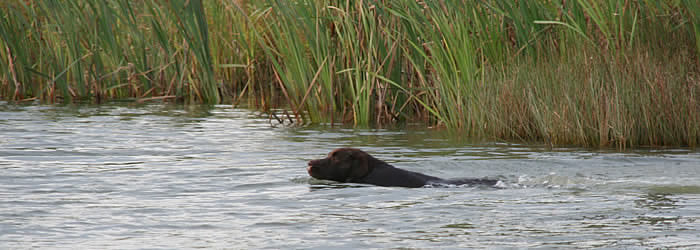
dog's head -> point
(343, 165)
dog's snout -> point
(310, 166)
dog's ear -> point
(360, 165)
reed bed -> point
(594, 73)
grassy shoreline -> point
(601, 73)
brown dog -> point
(356, 166)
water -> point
(159, 176)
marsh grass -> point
(97, 50)
(596, 73)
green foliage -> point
(597, 73)
(96, 50)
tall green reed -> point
(602, 73)
(191, 21)
(331, 59)
(14, 54)
(95, 50)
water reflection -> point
(655, 220)
(320, 187)
(170, 176)
(656, 201)
(675, 189)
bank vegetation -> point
(596, 73)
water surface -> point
(162, 176)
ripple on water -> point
(162, 176)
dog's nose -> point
(310, 166)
